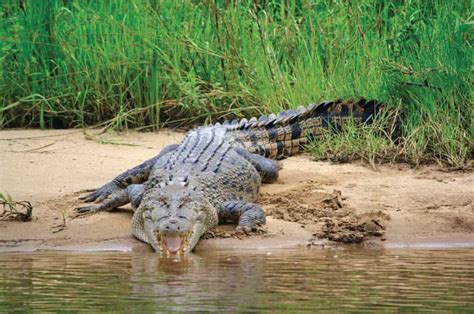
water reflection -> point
(365, 280)
(196, 280)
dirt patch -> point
(354, 228)
(324, 212)
(465, 224)
(303, 204)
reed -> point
(147, 64)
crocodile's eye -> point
(163, 201)
(184, 201)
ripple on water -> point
(363, 280)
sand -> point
(313, 204)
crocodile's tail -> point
(285, 134)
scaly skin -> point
(215, 174)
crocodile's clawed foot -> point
(253, 229)
(85, 211)
(97, 196)
(101, 193)
(246, 229)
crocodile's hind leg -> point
(267, 168)
(249, 215)
(138, 174)
(131, 194)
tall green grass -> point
(150, 63)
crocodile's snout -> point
(172, 235)
(172, 226)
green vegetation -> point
(149, 63)
(370, 143)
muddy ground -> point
(312, 204)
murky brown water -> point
(340, 280)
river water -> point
(292, 280)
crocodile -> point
(215, 173)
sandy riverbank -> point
(401, 206)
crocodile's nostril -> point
(172, 225)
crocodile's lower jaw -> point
(164, 243)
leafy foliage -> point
(68, 63)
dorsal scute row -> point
(362, 109)
(163, 181)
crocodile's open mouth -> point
(173, 244)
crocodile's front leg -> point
(249, 215)
(138, 174)
(131, 194)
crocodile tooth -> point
(217, 124)
(253, 121)
(158, 240)
(226, 122)
(234, 122)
